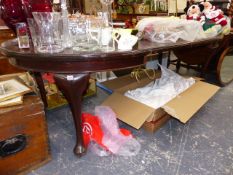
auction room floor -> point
(203, 146)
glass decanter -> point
(108, 5)
(107, 43)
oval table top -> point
(81, 63)
(71, 61)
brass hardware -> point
(12, 145)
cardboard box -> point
(155, 125)
(134, 113)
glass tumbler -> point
(77, 31)
(49, 32)
(94, 26)
(88, 31)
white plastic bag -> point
(113, 139)
(161, 91)
(170, 29)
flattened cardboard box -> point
(134, 113)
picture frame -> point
(92, 6)
(12, 102)
(176, 6)
(12, 88)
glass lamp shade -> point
(40, 5)
(12, 12)
(15, 11)
(27, 8)
(30, 6)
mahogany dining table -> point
(72, 68)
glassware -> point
(81, 37)
(15, 11)
(94, 26)
(41, 5)
(88, 34)
(107, 42)
(33, 29)
(108, 4)
(49, 32)
(76, 28)
(22, 35)
(91, 33)
(12, 13)
(27, 8)
(78, 32)
(67, 43)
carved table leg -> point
(73, 87)
(40, 83)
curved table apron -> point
(72, 69)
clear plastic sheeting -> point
(117, 141)
(161, 91)
(169, 29)
(98, 150)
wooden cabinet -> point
(131, 11)
(6, 34)
(134, 9)
(5, 67)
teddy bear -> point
(194, 12)
(213, 14)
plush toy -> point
(208, 6)
(190, 2)
(194, 12)
(213, 14)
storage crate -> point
(24, 142)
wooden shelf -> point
(123, 17)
